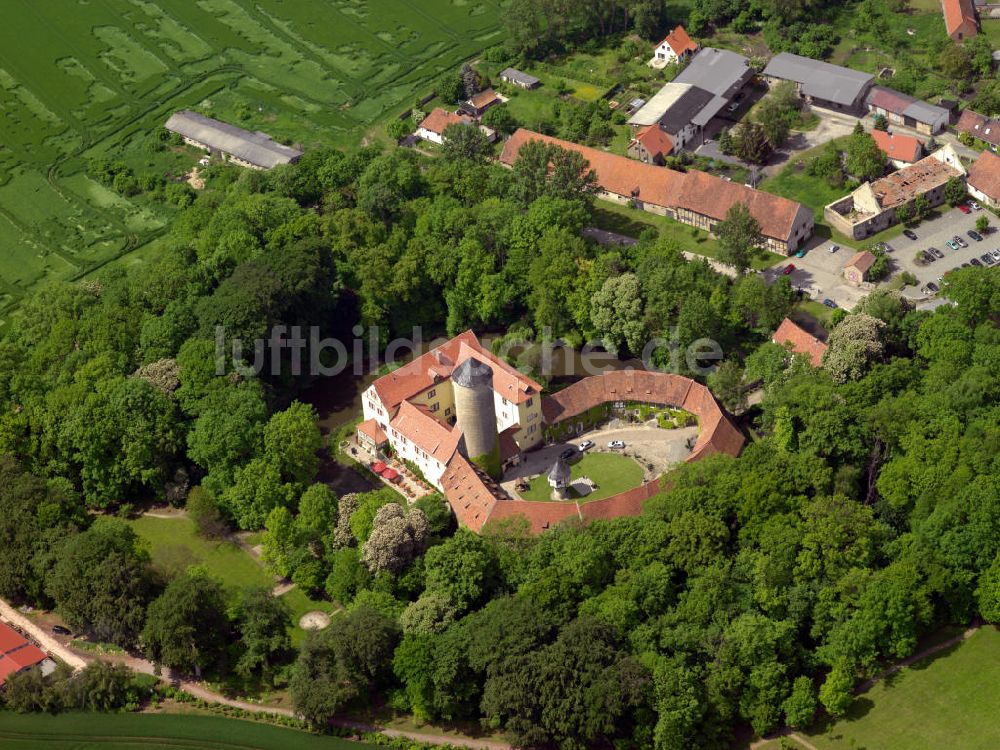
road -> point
(43, 639)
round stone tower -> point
(559, 476)
(472, 383)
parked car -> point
(60, 630)
(830, 303)
(975, 205)
(987, 259)
(929, 257)
(975, 262)
(616, 445)
(975, 235)
(952, 244)
(789, 268)
(964, 208)
(568, 453)
(937, 253)
(733, 107)
(834, 248)
(960, 241)
(586, 445)
(886, 246)
(932, 287)
(909, 234)
(996, 254)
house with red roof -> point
(432, 127)
(793, 336)
(17, 654)
(960, 20)
(676, 46)
(984, 179)
(986, 129)
(901, 150)
(650, 145)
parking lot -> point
(820, 274)
(935, 233)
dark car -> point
(830, 303)
(929, 257)
(937, 253)
(910, 234)
(60, 630)
(932, 287)
(568, 453)
(975, 262)
(975, 235)
(987, 259)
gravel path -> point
(46, 641)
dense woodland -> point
(754, 591)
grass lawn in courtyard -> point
(945, 701)
(94, 731)
(615, 217)
(611, 472)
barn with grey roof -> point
(820, 83)
(254, 150)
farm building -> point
(676, 46)
(432, 127)
(254, 150)
(960, 19)
(694, 197)
(902, 109)
(901, 150)
(820, 83)
(650, 145)
(872, 207)
(17, 654)
(793, 336)
(683, 107)
(479, 103)
(979, 126)
(517, 78)
(857, 268)
(984, 179)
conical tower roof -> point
(560, 471)
(473, 373)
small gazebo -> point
(559, 476)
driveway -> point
(39, 636)
(935, 233)
(820, 274)
(831, 125)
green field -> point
(612, 472)
(82, 79)
(175, 546)
(142, 731)
(945, 701)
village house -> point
(17, 655)
(650, 145)
(984, 179)
(517, 78)
(872, 207)
(819, 83)
(986, 129)
(693, 197)
(476, 106)
(432, 127)
(857, 268)
(904, 110)
(675, 47)
(796, 338)
(960, 20)
(901, 150)
(684, 107)
(238, 146)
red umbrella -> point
(378, 467)
(390, 474)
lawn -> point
(612, 472)
(615, 217)
(93, 731)
(947, 700)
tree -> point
(543, 169)
(186, 626)
(982, 223)
(279, 542)
(740, 238)
(954, 191)
(387, 183)
(921, 207)
(727, 144)
(397, 537)
(616, 312)
(865, 160)
(752, 144)
(450, 87)
(470, 81)
(880, 122)
(101, 582)
(347, 576)
(465, 143)
(778, 112)
(291, 442)
(904, 213)
(204, 512)
(262, 622)
(499, 119)
(340, 662)
(397, 128)
(461, 568)
(431, 613)
(853, 346)
(836, 692)
(800, 706)
(727, 385)
(954, 62)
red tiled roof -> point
(483, 99)
(959, 15)
(10, 638)
(898, 147)
(694, 190)
(800, 340)
(16, 653)
(862, 260)
(439, 119)
(431, 368)
(983, 128)
(468, 493)
(623, 504)
(418, 425)
(916, 179)
(370, 428)
(508, 446)
(716, 435)
(680, 42)
(984, 174)
(540, 515)
(26, 656)
(655, 140)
